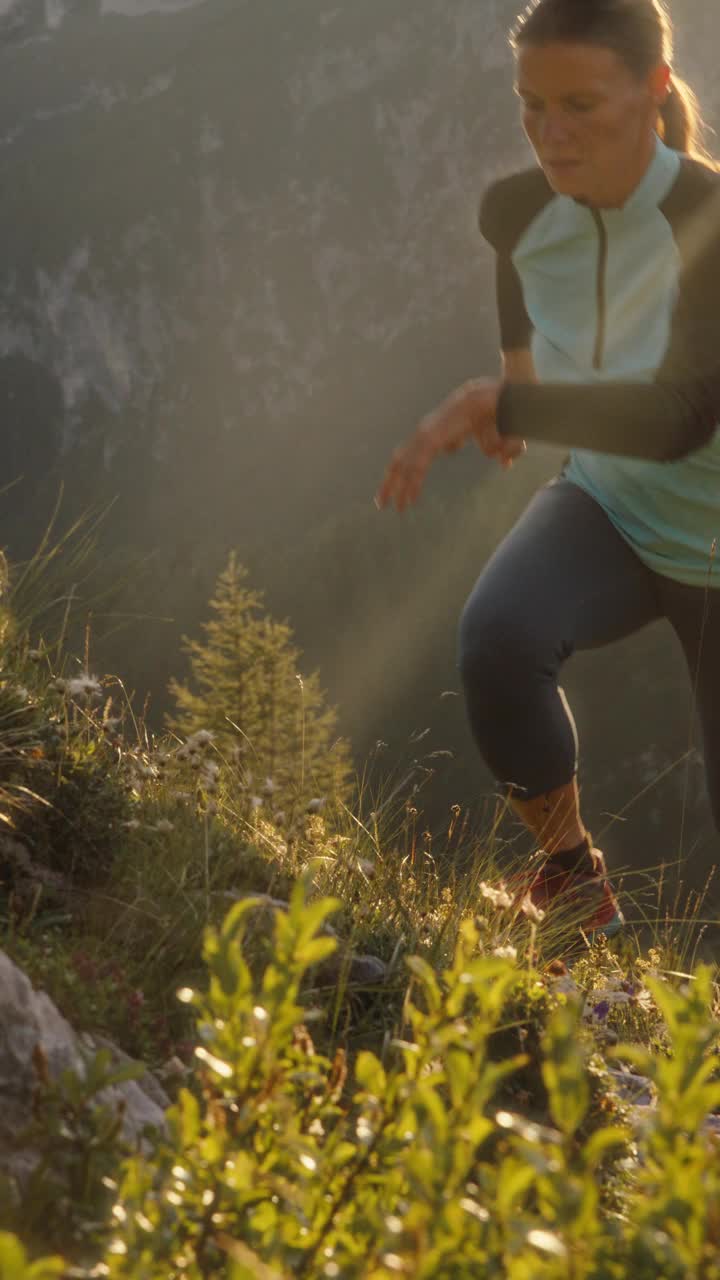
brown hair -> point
(639, 31)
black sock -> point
(577, 859)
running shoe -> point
(583, 895)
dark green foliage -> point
(270, 720)
(66, 1201)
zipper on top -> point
(601, 294)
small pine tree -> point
(264, 713)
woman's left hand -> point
(468, 413)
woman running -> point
(608, 287)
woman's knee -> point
(499, 647)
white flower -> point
(528, 908)
(164, 825)
(201, 738)
(644, 1000)
(269, 787)
(133, 825)
(256, 802)
(317, 805)
(499, 897)
(505, 953)
(84, 686)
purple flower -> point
(601, 1010)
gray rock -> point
(29, 1020)
(355, 970)
(119, 1058)
(632, 1088)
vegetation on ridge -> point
(467, 1108)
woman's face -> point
(588, 118)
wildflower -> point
(35, 655)
(279, 818)
(174, 1067)
(505, 953)
(599, 1002)
(84, 686)
(269, 787)
(499, 897)
(255, 802)
(133, 824)
(317, 805)
(642, 999)
(201, 738)
(533, 913)
(164, 824)
(366, 867)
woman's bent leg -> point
(563, 579)
(695, 614)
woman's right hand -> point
(467, 413)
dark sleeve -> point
(506, 209)
(662, 421)
(515, 325)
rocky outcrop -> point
(30, 1021)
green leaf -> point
(597, 1146)
(422, 970)
(315, 913)
(314, 951)
(370, 1075)
(515, 1177)
(236, 915)
(14, 1264)
(564, 1071)
(13, 1259)
(186, 1116)
(130, 1071)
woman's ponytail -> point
(680, 118)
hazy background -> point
(239, 261)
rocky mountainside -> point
(233, 229)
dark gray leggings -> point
(564, 579)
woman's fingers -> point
(512, 448)
(404, 478)
(469, 411)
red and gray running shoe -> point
(582, 896)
